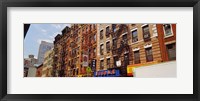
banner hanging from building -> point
(85, 60)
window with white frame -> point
(101, 34)
(101, 65)
(167, 30)
(134, 36)
(101, 49)
(146, 33)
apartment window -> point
(135, 36)
(108, 63)
(136, 57)
(133, 25)
(146, 33)
(114, 27)
(108, 46)
(149, 55)
(101, 65)
(167, 29)
(126, 59)
(171, 50)
(125, 28)
(125, 39)
(94, 26)
(90, 27)
(101, 34)
(86, 29)
(94, 51)
(89, 50)
(90, 38)
(101, 49)
(115, 60)
(107, 31)
(114, 43)
(95, 37)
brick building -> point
(121, 45)
(103, 47)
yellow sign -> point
(130, 70)
(88, 69)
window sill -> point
(168, 36)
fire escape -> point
(120, 45)
(86, 42)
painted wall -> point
(167, 69)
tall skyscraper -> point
(44, 47)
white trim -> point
(124, 33)
(136, 49)
(147, 45)
(137, 42)
(144, 25)
(107, 57)
(107, 26)
(168, 36)
(134, 29)
(107, 40)
(126, 52)
(100, 30)
(171, 42)
(101, 44)
(101, 58)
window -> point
(94, 51)
(136, 57)
(115, 60)
(125, 39)
(171, 49)
(107, 31)
(101, 65)
(95, 37)
(125, 28)
(126, 59)
(94, 26)
(149, 55)
(108, 46)
(114, 27)
(101, 49)
(108, 63)
(167, 29)
(86, 29)
(134, 36)
(90, 39)
(89, 51)
(133, 25)
(90, 27)
(114, 43)
(101, 34)
(146, 33)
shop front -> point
(112, 72)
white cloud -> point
(60, 26)
(57, 26)
(43, 30)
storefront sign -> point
(107, 73)
(118, 63)
(130, 70)
(93, 65)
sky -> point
(38, 33)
